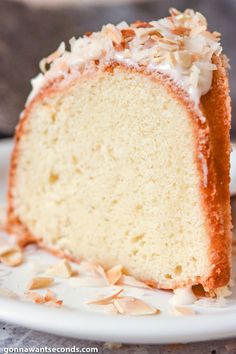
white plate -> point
(77, 319)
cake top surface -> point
(179, 45)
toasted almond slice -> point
(40, 282)
(12, 257)
(183, 311)
(106, 300)
(62, 269)
(114, 274)
(37, 298)
(133, 306)
(131, 281)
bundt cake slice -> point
(122, 153)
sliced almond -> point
(40, 282)
(132, 306)
(106, 300)
(183, 311)
(62, 269)
(114, 274)
(12, 256)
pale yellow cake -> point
(122, 153)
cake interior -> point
(106, 172)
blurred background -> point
(31, 29)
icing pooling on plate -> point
(179, 45)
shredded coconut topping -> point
(179, 45)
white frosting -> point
(183, 296)
(179, 46)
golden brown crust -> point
(210, 137)
(217, 110)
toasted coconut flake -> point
(60, 50)
(37, 298)
(171, 58)
(150, 31)
(183, 311)
(119, 47)
(133, 306)
(127, 34)
(98, 271)
(131, 281)
(183, 58)
(215, 36)
(3, 215)
(114, 274)
(62, 269)
(194, 76)
(141, 24)
(114, 33)
(174, 12)
(50, 296)
(226, 65)
(181, 31)
(88, 34)
(40, 282)
(12, 257)
(106, 300)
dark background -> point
(28, 34)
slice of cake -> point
(122, 153)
